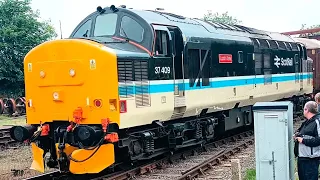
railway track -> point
(235, 143)
(6, 141)
(189, 164)
(176, 167)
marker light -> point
(30, 103)
(97, 102)
(72, 72)
(42, 74)
(55, 95)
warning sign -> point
(29, 67)
(92, 64)
(225, 58)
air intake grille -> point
(142, 83)
(125, 76)
(133, 80)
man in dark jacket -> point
(317, 100)
(308, 143)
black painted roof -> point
(192, 27)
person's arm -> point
(314, 141)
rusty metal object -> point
(20, 106)
(10, 106)
(206, 165)
(158, 164)
(302, 31)
(13, 107)
(1, 106)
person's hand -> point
(299, 139)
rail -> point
(222, 149)
(5, 140)
(158, 164)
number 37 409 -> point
(164, 70)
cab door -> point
(170, 61)
(300, 60)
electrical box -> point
(273, 129)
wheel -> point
(1, 106)
(20, 106)
(10, 106)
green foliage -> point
(221, 18)
(304, 27)
(20, 31)
(250, 174)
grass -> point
(250, 174)
(5, 120)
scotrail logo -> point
(277, 61)
(282, 62)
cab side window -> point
(84, 30)
(162, 43)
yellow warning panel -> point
(29, 67)
(68, 149)
(93, 64)
(38, 162)
(92, 161)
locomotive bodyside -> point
(313, 51)
(150, 83)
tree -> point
(220, 18)
(304, 27)
(20, 31)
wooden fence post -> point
(236, 169)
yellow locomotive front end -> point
(72, 105)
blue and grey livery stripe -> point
(163, 86)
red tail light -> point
(123, 106)
(97, 103)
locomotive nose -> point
(22, 133)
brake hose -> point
(98, 145)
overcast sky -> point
(271, 15)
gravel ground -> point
(222, 171)
(172, 171)
(247, 161)
(15, 163)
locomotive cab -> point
(133, 37)
(77, 117)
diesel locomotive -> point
(130, 85)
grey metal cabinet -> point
(273, 128)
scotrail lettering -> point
(283, 62)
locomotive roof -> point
(193, 27)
